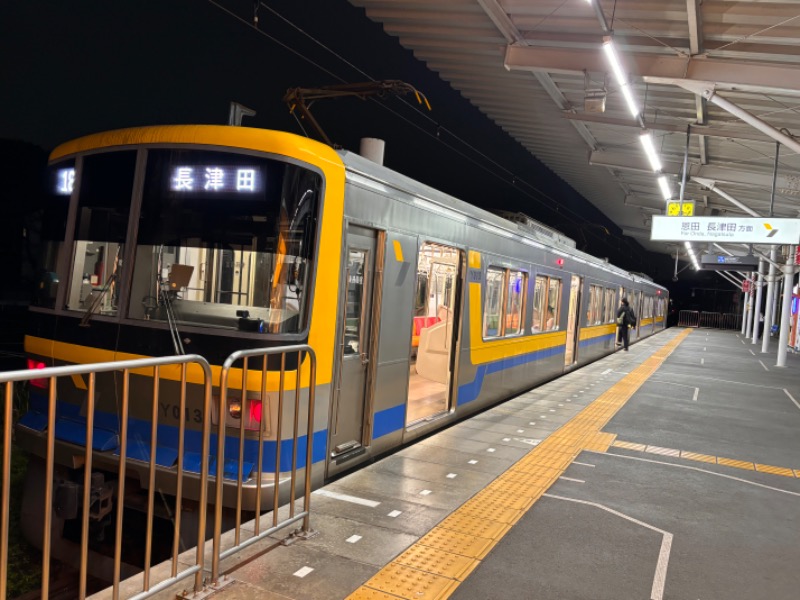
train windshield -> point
(46, 232)
(225, 240)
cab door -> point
(351, 413)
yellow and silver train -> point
(206, 239)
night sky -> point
(74, 68)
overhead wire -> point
(749, 35)
(439, 127)
(552, 204)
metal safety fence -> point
(709, 320)
(49, 378)
(192, 472)
(230, 394)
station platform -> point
(670, 471)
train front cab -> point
(141, 257)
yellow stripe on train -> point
(77, 354)
(487, 351)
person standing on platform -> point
(626, 318)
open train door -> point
(570, 352)
(351, 416)
(435, 333)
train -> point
(421, 309)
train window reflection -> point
(515, 301)
(248, 256)
(546, 304)
(553, 305)
(493, 303)
(355, 301)
(49, 227)
(101, 225)
(611, 306)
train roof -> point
(527, 228)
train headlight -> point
(235, 409)
(252, 412)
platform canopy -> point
(537, 69)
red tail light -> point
(39, 383)
(255, 413)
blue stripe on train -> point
(470, 391)
(70, 427)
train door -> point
(638, 307)
(351, 413)
(434, 337)
(570, 353)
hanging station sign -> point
(743, 230)
(723, 262)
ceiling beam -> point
(506, 26)
(635, 161)
(695, 27)
(708, 92)
(746, 76)
(704, 130)
(696, 47)
(712, 185)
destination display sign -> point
(214, 178)
(743, 230)
(65, 181)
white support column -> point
(769, 308)
(744, 312)
(788, 279)
(750, 305)
(776, 313)
(757, 310)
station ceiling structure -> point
(717, 84)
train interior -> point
(434, 333)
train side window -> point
(553, 305)
(610, 306)
(515, 302)
(104, 200)
(355, 301)
(493, 303)
(594, 313)
(546, 304)
(601, 315)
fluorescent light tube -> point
(664, 185)
(650, 150)
(622, 79)
(611, 55)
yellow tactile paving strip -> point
(708, 458)
(433, 568)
